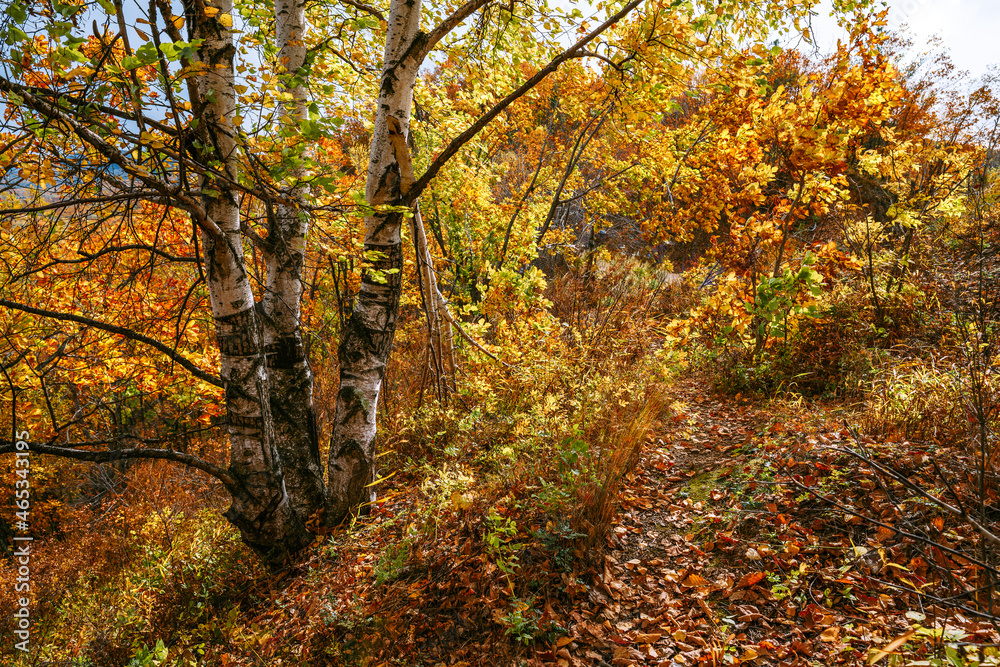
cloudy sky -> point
(970, 29)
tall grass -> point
(617, 446)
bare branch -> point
(108, 456)
(582, 141)
(121, 331)
(51, 111)
(985, 533)
(125, 196)
(111, 111)
(90, 257)
(486, 118)
(897, 531)
(593, 54)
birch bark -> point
(367, 339)
(291, 378)
(260, 507)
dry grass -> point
(616, 449)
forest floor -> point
(718, 555)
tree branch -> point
(592, 54)
(429, 40)
(90, 257)
(984, 532)
(139, 194)
(576, 154)
(903, 533)
(368, 9)
(486, 118)
(121, 331)
(50, 110)
(7, 447)
(111, 111)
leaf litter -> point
(722, 553)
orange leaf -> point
(878, 654)
(695, 580)
(830, 635)
(751, 579)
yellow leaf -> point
(877, 654)
(226, 20)
(460, 501)
(211, 11)
(178, 21)
(78, 71)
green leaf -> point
(17, 12)
(66, 10)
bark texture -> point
(439, 353)
(260, 507)
(291, 379)
(367, 339)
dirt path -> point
(704, 567)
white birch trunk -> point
(260, 506)
(290, 376)
(367, 339)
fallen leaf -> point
(830, 635)
(694, 580)
(878, 654)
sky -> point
(970, 29)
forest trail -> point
(715, 557)
(713, 565)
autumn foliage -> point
(721, 324)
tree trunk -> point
(291, 378)
(260, 508)
(367, 339)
